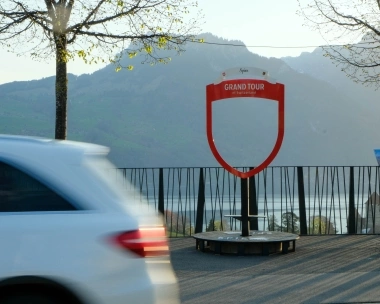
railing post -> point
(301, 201)
(351, 204)
(161, 204)
(253, 208)
(201, 203)
(244, 207)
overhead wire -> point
(283, 47)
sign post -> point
(239, 83)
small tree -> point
(217, 225)
(94, 31)
(348, 21)
(290, 222)
(273, 223)
(321, 225)
(177, 225)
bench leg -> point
(202, 246)
(285, 247)
(294, 246)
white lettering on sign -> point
(243, 86)
(256, 86)
(234, 87)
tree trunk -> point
(61, 88)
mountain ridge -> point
(155, 116)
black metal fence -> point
(303, 200)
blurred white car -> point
(71, 233)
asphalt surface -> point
(323, 269)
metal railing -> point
(303, 200)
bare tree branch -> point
(356, 22)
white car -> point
(71, 233)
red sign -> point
(239, 82)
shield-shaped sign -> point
(245, 82)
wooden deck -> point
(323, 269)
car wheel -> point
(30, 298)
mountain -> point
(318, 66)
(155, 116)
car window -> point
(19, 192)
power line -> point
(282, 47)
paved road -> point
(323, 269)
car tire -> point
(30, 298)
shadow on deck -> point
(324, 269)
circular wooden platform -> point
(258, 242)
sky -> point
(254, 22)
